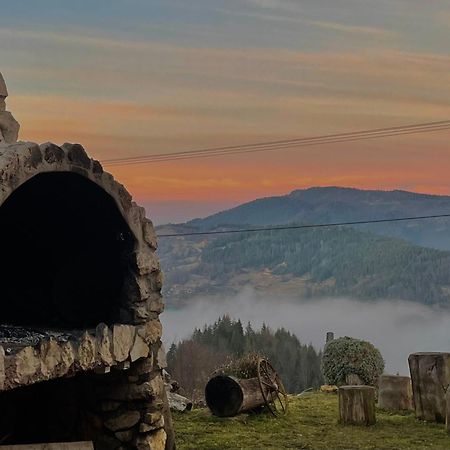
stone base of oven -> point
(123, 409)
(131, 413)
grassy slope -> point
(310, 424)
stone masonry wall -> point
(131, 398)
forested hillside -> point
(305, 263)
(336, 204)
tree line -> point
(192, 361)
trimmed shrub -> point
(346, 355)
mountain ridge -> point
(341, 204)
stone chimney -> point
(330, 337)
(9, 127)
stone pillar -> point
(128, 412)
(395, 393)
(430, 376)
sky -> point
(136, 77)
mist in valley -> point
(397, 328)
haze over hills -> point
(314, 263)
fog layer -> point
(397, 328)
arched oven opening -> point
(65, 254)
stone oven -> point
(80, 296)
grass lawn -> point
(310, 424)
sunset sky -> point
(135, 77)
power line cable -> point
(283, 144)
(300, 227)
(378, 131)
(280, 147)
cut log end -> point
(227, 396)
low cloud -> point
(397, 328)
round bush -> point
(347, 355)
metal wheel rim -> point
(272, 388)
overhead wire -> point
(283, 144)
(305, 226)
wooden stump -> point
(395, 393)
(357, 405)
(430, 376)
(447, 416)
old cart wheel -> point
(272, 388)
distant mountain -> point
(380, 261)
(336, 204)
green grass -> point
(310, 424)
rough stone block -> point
(52, 153)
(142, 366)
(50, 355)
(146, 427)
(152, 441)
(87, 352)
(125, 436)
(161, 359)
(123, 421)
(151, 331)
(140, 349)
(129, 392)
(67, 357)
(103, 336)
(123, 339)
(24, 366)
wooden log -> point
(357, 405)
(447, 415)
(228, 396)
(430, 376)
(395, 393)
